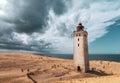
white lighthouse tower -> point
(81, 59)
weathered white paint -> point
(81, 51)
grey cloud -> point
(17, 45)
(27, 16)
(58, 6)
(33, 17)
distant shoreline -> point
(103, 57)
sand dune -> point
(29, 68)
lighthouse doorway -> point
(78, 68)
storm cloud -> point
(27, 17)
(47, 25)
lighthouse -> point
(80, 57)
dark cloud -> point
(58, 6)
(33, 17)
(41, 46)
(27, 16)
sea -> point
(104, 57)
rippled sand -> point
(29, 68)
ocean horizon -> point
(103, 57)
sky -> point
(46, 26)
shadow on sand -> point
(99, 73)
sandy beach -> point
(29, 68)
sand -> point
(29, 68)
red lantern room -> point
(80, 27)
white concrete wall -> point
(81, 51)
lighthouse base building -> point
(81, 59)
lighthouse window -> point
(78, 45)
(78, 39)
